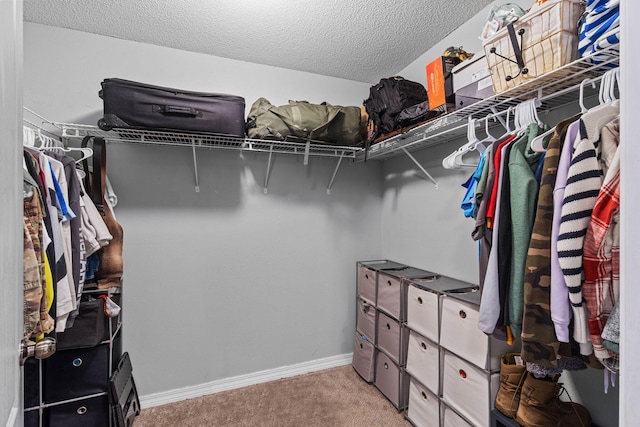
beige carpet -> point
(335, 397)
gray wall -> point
(227, 281)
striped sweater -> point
(584, 181)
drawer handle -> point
(424, 396)
(386, 365)
(424, 346)
(366, 275)
(462, 373)
(365, 309)
(388, 326)
(361, 346)
(77, 362)
(419, 300)
(81, 410)
(462, 314)
(389, 282)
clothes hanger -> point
(454, 160)
(28, 136)
(584, 109)
(537, 144)
(86, 151)
(489, 138)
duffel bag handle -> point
(176, 110)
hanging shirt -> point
(583, 184)
(539, 342)
(523, 162)
(468, 204)
(601, 287)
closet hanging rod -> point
(44, 120)
(41, 129)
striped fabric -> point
(599, 29)
(583, 186)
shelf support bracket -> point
(428, 175)
(333, 177)
(195, 165)
(266, 178)
(307, 147)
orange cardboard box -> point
(440, 82)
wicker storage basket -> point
(549, 41)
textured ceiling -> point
(360, 40)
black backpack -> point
(387, 99)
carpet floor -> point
(335, 397)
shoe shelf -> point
(554, 89)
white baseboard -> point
(171, 396)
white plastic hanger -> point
(86, 151)
(454, 160)
(28, 136)
(584, 109)
(489, 138)
(537, 142)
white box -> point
(459, 333)
(451, 419)
(470, 71)
(424, 407)
(469, 389)
(423, 361)
(422, 312)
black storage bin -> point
(32, 418)
(93, 412)
(79, 372)
(129, 104)
(90, 328)
(31, 383)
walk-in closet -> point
(242, 260)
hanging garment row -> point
(546, 207)
(65, 235)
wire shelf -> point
(554, 89)
(202, 140)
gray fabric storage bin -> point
(366, 320)
(364, 358)
(392, 380)
(392, 338)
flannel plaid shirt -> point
(601, 288)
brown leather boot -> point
(511, 380)
(540, 406)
